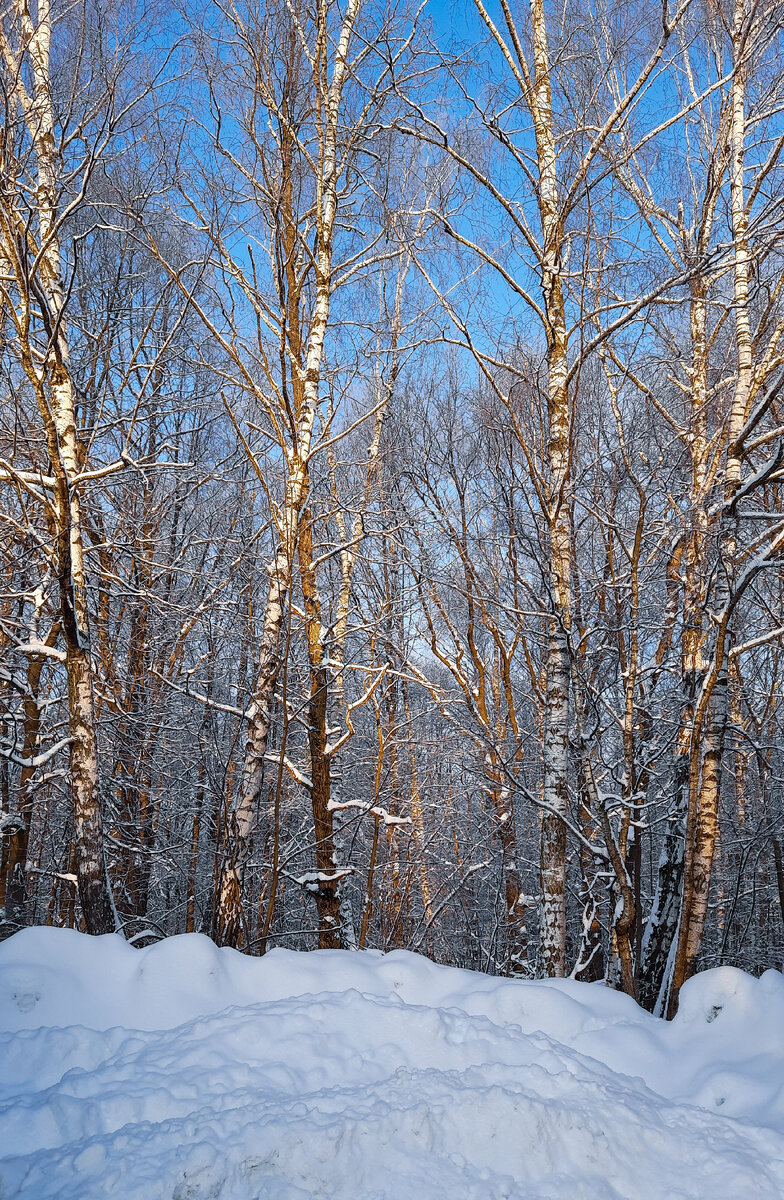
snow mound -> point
(185, 1072)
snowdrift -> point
(184, 1072)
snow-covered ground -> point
(184, 1072)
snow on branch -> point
(38, 760)
(373, 810)
(332, 748)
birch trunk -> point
(242, 819)
(556, 741)
(326, 889)
(15, 856)
(49, 375)
(707, 816)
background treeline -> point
(390, 465)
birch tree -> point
(34, 296)
(308, 84)
(558, 163)
(752, 28)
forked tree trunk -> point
(704, 810)
(328, 97)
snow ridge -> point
(184, 1072)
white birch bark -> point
(49, 375)
(706, 819)
(244, 813)
(556, 741)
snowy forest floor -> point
(183, 1072)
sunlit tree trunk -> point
(42, 300)
(328, 95)
(706, 817)
(555, 791)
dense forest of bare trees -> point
(390, 457)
